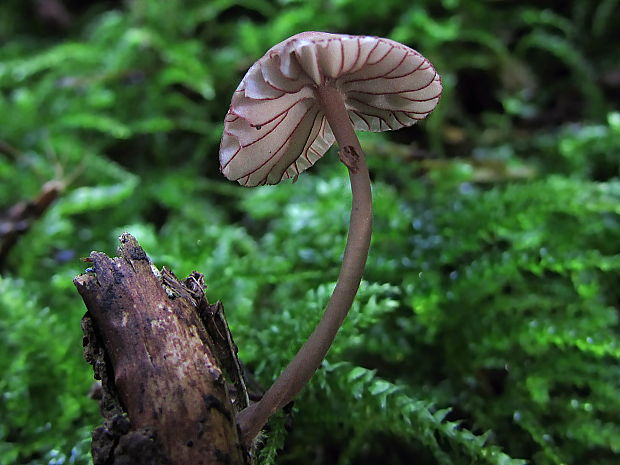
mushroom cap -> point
(275, 128)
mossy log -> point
(163, 354)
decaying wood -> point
(162, 353)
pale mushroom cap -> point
(275, 128)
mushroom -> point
(306, 92)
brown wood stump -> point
(164, 356)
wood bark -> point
(163, 355)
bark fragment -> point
(165, 399)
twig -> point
(20, 217)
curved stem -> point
(299, 371)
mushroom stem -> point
(299, 371)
